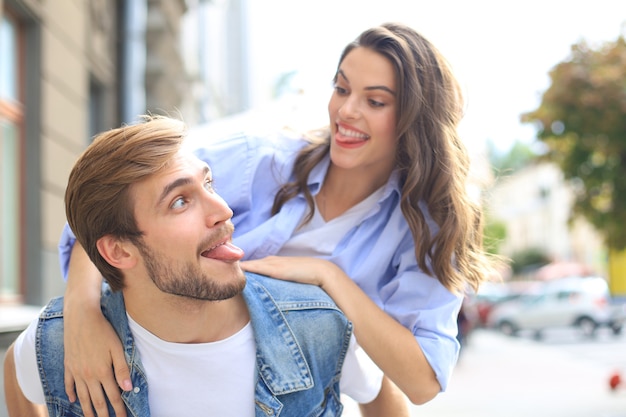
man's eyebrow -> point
(179, 183)
(373, 87)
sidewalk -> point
(514, 377)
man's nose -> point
(216, 209)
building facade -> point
(534, 204)
(69, 69)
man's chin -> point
(232, 288)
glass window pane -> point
(8, 59)
(9, 200)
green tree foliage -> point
(582, 120)
(528, 260)
(494, 234)
(506, 163)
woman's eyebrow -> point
(373, 87)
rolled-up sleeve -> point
(423, 305)
(66, 243)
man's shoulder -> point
(287, 293)
(54, 309)
(109, 300)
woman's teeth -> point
(352, 133)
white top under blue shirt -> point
(378, 253)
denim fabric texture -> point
(301, 337)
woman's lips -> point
(349, 138)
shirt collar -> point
(317, 175)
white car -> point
(584, 303)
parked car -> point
(580, 302)
(492, 294)
(618, 315)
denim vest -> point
(301, 342)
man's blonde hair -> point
(98, 201)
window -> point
(11, 116)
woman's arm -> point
(390, 345)
(17, 403)
(389, 402)
(91, 345)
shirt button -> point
(136, 390)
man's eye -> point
(178, 203)
(208, 185)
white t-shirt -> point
(319, 237)
(217, 376)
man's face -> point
(187, 245)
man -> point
(201, 338)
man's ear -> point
(118, 253)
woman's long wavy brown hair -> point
(433, 161)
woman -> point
(374, 210)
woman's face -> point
(362, 112)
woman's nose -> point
(349, 109)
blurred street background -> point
(545, 126)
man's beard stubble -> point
(186, 280)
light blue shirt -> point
(378, 253)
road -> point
(497, 376)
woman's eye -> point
(375, 103)
(208, 185)
(340, 90)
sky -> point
(501, 51)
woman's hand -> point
(305, 270)
(92, 348)
(94, 357)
